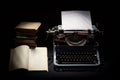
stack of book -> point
(26, 33)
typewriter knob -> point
(60, 34)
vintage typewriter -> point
(74, 45)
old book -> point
(27, 28)
(27, 37)
(27, 41)
(23, 57)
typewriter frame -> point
(94, 46)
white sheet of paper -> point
(76, 20)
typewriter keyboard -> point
(76, 55)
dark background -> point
(48, 12)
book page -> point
(19, 57)
(38, 59)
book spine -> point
(26, 32)
(26, 37)
(30, 43)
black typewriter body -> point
(75, 51)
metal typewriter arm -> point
(59, 27)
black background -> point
(48, 12)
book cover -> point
(27, 28)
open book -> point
(23, 57)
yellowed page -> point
(19, 57)
(38, 59)
(29, 25)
